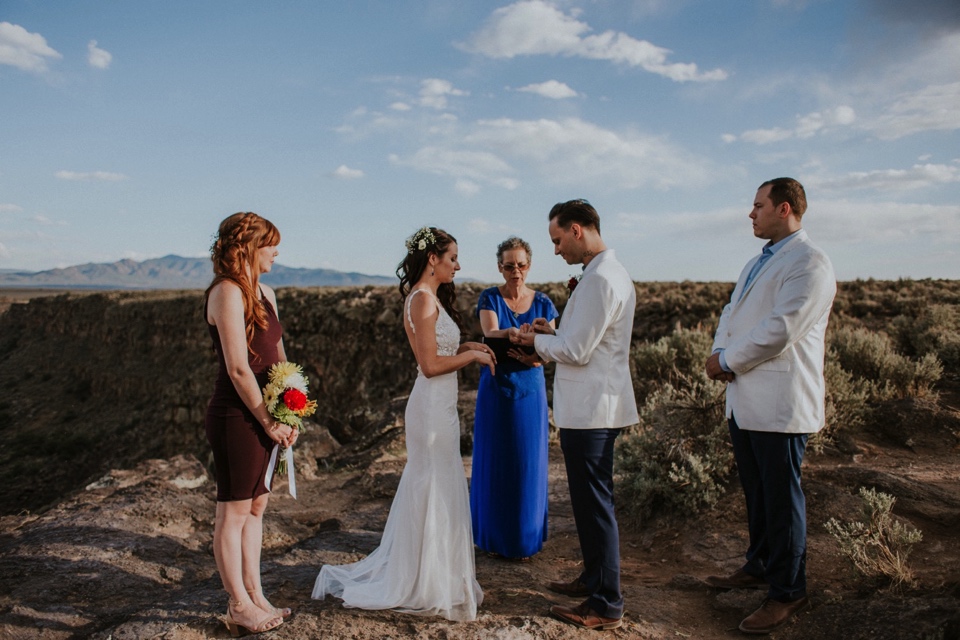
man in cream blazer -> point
(769, 348)
(592, 401)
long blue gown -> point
(508, 489)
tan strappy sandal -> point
(269, 622)
(283, 613)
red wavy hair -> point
(236, 259)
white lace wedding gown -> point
(424, 563)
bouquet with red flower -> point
(285, 397)
(572, 283)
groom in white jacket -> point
(593, 400)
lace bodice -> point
(448, 333)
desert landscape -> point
(107, 501)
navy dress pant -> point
(588, 454)
(769, 467)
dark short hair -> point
(787, 190)
(575, 211)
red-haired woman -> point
(241, 315)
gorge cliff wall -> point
(98, 381)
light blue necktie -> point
(756, 268)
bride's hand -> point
(486, 359)
(476, 346)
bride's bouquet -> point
(285, 397)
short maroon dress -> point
(241, 448)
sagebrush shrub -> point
(679, 458)
(877, 545)
(936, 330)
(847, 403)
(673, 359)
(871, 356)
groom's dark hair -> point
(575, 211)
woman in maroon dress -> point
(242, 319)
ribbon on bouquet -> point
(291, 473)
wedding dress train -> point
(425, 561)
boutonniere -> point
(573, 282)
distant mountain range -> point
(173, 272)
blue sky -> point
(129, 129)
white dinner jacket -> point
(773, 340)
(592, 388)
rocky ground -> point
(130, 556)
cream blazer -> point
(773, 340)
(592, 388)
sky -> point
(130, 129)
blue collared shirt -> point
(768, 251)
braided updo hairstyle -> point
(235, 258)
(427, 241)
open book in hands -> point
(501, 346)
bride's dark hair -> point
(427, 241)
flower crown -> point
(422, 239)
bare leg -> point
(252, 542)
(228, 549)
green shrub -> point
(671, 360)
(847, 403)
(936, 331)
(870, 355)
(877, 545)
(679, 459)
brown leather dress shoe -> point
(772, 615)
(574, 588)
(585, 617)
(739, 579)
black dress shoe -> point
(739, 579)
(585, 617)
(574, 588)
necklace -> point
(518, 303)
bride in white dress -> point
(425, 562)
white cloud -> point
(466, 187)
(577, 152)
(537, 27)
(91, 176)
(400, 106)
(44, 220)
(550, 89)
(24, 50)
(932, 108)
(806, 127)
(919, 176)
(10, 208)
(434, 92)
(343, 172)
(766, 136)
(466, 166)
(856, 222)
(4, 252)
(98, 57)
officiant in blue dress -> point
(508, 489)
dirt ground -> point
(130, 556)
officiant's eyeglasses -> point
(514, 267)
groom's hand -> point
(541, 325)
(522, 336)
